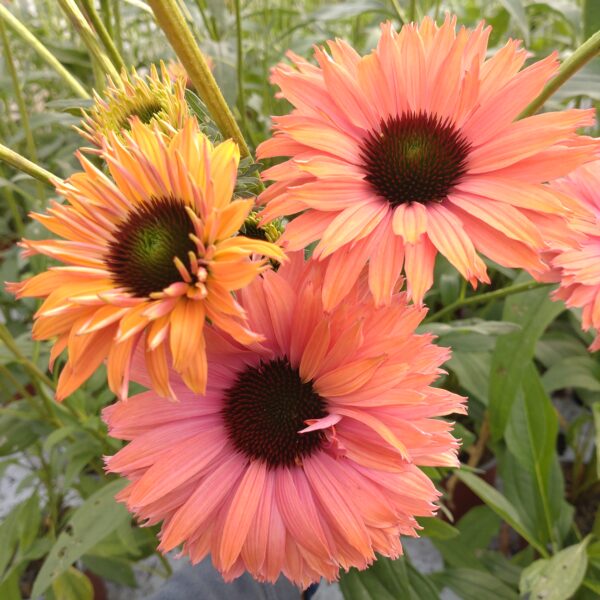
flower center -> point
(145, 110)
(264, 410)
(140, 257)
(414, 157)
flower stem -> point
(20, 162)
(103, 34)
(487, 297)
(240, 64)
(18, 92)
(44, 53)
(172, 22)
(588, 50)
(90, 39)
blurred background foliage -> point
(522, 518)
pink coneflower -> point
(150, 254)
(303, 456)
(580, 267)
(413, 150)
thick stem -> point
(576, 61)
(20, 162)
(44, 53)
(171, 21)
(103, 34)
(483, 298)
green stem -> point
(103, 34)
(20, 162)
(588, 50)
(106, 10)
(171, 21)
(240, 64)
(31, 149)
(412, 11)
(43, 52)
(399, 11)
(207, 23)
(487, 297)
(89, 38)
(14, 208)
(32, 368)
(118, 26)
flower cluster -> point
(289, 401)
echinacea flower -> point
(154, 99)
(153, 251)
(303, 455)
(415, 149)
(580, 267)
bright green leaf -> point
(72, 585)
(96, 518)
(534, 311)
(499, 504)
(558, 577)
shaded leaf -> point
(96, 518)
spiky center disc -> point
(414, 157)
(264, 410)
(140, 256)
(145, 109)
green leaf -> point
(596, 413)
(114, 569)
(573, 372)
(472, 370)
(533, 427)
(438, 529)
(500, 505)
(96, 518)
(591, 17)
(558, 577)
(387, 579)
(476, 530)
(534, 311)
(72, 585)
(471, 584)
(30, 518)
(517, 11)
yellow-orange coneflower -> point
(150, 255)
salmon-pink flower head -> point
(151, 251)
(303, 455)
(580, 267)
(415, 149)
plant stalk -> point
(483, 298)
(172, 22)
(588, 50)
(103, 34)
(22, 164)
(90, 39)
(43, 52)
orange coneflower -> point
(415, 149)
(580, 267)
(156, 99)
(303, 455)
(153, 252)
